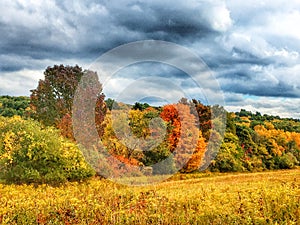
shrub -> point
(227, 159)
(167, 166)
(287, 161)
(32, 154)
(254, 163)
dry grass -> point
(255, 198)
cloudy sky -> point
(251, 47)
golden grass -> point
(252, 198)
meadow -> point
(271, 197)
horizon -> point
(161, 105)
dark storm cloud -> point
(251, 47)
(264, 89)
(161, 20)
(61, 28)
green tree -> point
(229, 158)
(53, 99)
(287, 161)
(141, 106)
(110, 103)
(245, 135)
(11, 106)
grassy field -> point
(256, 198)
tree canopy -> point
(52, 100)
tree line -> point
(252, 142)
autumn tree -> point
(171, 116)
(53, 97)
(205, 117)
(229, 157)
(52, 100)
(30, 153)
(130, 133)
(184, 137)
(120, 145)
(281, 150)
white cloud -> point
(20, 83)
(283, 107)
(219, 17)
(132, 90)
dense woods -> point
(10, 106)
(37, 132)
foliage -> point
(131, 139)
(141, 135)
(140, 106)
(229, 156)
(252, 142)
(29, 153)
(111, 103)
(184, 137)
(11, 106)
(205, 117)
(287, 161)
(264, 142)
(53, 99)
(258, 117)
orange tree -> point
(184, 138)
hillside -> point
(251, 141)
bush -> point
(254, 164)
(228, 159)
(287, 161)
(32, 154)
(167, 166)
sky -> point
(251, 48)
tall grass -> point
(256, 198)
